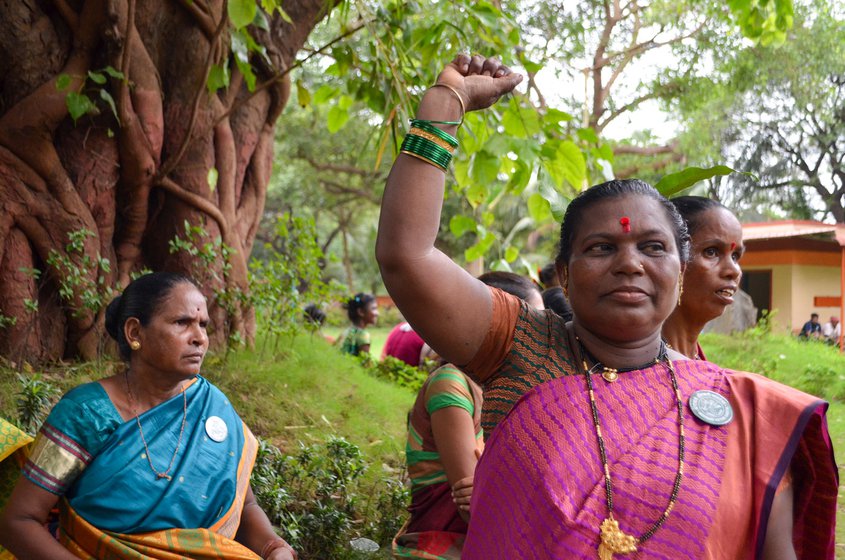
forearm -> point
(255, 531)
(27, 538)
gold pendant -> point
(614, 540)
(610, 375)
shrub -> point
(398, 372)
(315, 496)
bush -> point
(316, 498)
(398, 372)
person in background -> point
(832, 330)
(314, 318)
(445, 440)
(152, 462)
(403, 344)
(548, 276)
(362, 310)
(812, 328)
(555, 299)
(607, 442)
(712, 275)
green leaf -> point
(684, 179)
(476, 194)
(242, 12)
(336, 118)
(218, 77)
(485, 167)
(520, 122)
(79, 104)
(511, 253)
(565, 162)
(114, 73)
(324, 94)
(459, 225)
(248, 73)
(539, 208)
(588, 135)
(519, 178)
(212, 178)
(96, 77)
(480, 248)
(62, 81)
(303, 96)
(557, 202)
(106, 96)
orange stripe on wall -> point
(769, 258)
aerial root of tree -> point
(132, 178)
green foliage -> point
(316, 497)
(288, 277)
(82, 101)
(205, 254)
(674, 183)
(399, 373)
(33, 401)
(766, 21)
(83, 279)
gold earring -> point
(135, 345)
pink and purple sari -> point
(539, 490)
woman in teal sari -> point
(151, 462)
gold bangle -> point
(436, 139)
(421, 158)
(458, 95)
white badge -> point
(216, 428)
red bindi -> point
(625, 222)
(733, 246)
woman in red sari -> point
(605, 441)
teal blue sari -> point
(98, 462)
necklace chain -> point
(158, 474)
(613, 539)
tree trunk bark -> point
(134, 176)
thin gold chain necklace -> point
(613, 539)
(164, 474)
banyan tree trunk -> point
(86, 204)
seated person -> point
(403, 343)
(812, 328)
(832, 330)
(152, 462)
(445, 440)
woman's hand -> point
(283, 553)
(462, 493)
(479, 81)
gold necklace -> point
(164, 474)
(613, 539)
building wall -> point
(809, 282)
(794, 288)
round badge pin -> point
(711, 408)
(216, 428)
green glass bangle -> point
(455, 123)
(426, 150)
(429, 151)
(428, 127)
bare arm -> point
(449, 308)
(454, 435)
(22, 529)
(778, 544)
(256, 532)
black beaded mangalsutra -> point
(612, 374)
(613, 539)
